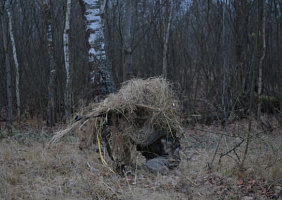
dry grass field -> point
(31, 170)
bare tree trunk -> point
(52, 64)
(67, 62)
(8, 69)
(100, 69)
(261, 60)
(127, 65)
(16, 63)
(166, 39)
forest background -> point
(223, 56)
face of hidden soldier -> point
(166, 147)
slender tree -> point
(166, 37)
(127, 39)
(12, 38)
(261, 59)
(52, 63)
(67, 62)
(8, 65)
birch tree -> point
(15, 61)
(100, 69)
(8, 65)
(52, 64)
(67, 62)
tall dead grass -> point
(31, 171)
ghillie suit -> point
(142, 115)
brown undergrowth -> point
(30, 170)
